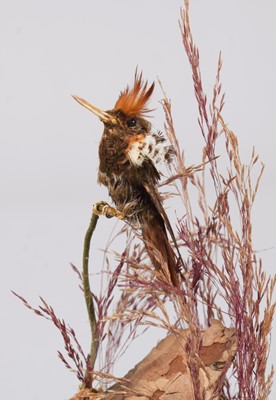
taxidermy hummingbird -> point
(128, 154)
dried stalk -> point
(88, 294)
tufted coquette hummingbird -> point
(128, 153)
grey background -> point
(49, 50)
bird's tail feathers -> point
(159, 250)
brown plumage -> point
(128, 153)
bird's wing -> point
(157, 201)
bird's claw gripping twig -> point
(103, 208)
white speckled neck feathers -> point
(149, 146)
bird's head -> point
(130, 109)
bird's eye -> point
(131, 122)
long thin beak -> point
(103, 115)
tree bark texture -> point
(170, 372)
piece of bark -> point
(165, 374)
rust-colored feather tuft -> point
(132, 101)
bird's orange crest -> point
(133, 101)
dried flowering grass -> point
(221, 276)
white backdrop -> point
(50, 49)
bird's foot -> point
(103, 208)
